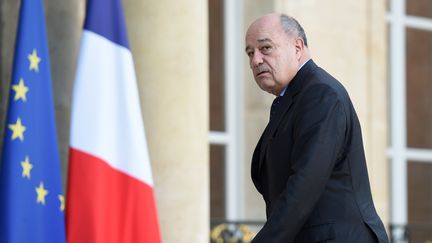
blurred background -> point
(203, 112)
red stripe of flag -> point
(108, 205)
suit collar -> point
(298, 82)
(294, 87)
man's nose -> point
(256, 59)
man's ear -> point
(299, 44)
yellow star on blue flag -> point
(30, 182)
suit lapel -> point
(295, 86)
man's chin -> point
(269, 90)
(265, 84)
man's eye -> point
(265, 49)
(250, 53)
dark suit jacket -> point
(309, 166)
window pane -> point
(217, 181)
(216, 62)
(421, 8)
(420, 201)
(419, 88)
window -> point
(217, 109)
(225, 109)
(411, 119)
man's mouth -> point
(261, 73)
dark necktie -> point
(273, 106)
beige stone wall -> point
(348, 39)
(169, 42)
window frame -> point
(399, 153)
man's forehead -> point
(259, 36)
(265, 22)
(266, 29)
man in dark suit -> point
(309, 164)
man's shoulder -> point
(324, 82)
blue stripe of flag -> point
(107, 21)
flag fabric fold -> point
(110, 194)
(31, 198)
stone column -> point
(169, 41)
(64, 24)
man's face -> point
(273, 55)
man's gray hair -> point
(293, 28)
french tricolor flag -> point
(110, 194)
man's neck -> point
(282, 93)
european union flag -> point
(31, 198)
